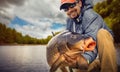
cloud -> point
(37, 9)
(33, 9)
(7, 3)
(5, 17)
(7, 9)
(36, 28)
(40, 15)
(36, 31)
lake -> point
(27, 58)
(23, 59)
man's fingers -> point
(70, 61)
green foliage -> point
(116, 30)
(110, 11)
(11, 36)
(2, 33)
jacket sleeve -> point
(93, 26)
(91, 30)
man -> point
(82, 19)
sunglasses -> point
(69, 6)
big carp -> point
(64, 50)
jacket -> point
(88, 23)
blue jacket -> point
(88, 23)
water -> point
(23, 59)
(27, 58)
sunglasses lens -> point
(72, 5)
(66, 9)
(69, 6)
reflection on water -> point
(23, 59)
(27, 59)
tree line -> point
(110, 11)
(11, 36)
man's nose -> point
(70, 9)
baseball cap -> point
(64, 3)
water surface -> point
(28, 58)
(23, 59)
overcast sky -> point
(39, 17)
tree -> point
(110, 11)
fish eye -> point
(73, 36)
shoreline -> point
(22, 44)
(117, 45)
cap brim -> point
(65, 5)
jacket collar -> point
(79, 18)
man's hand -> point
(70, 60)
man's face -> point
(73, 10)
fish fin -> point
(57, 63)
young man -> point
(82, 19)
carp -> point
(64, 50)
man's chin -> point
(74, 17)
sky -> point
(36, 18)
